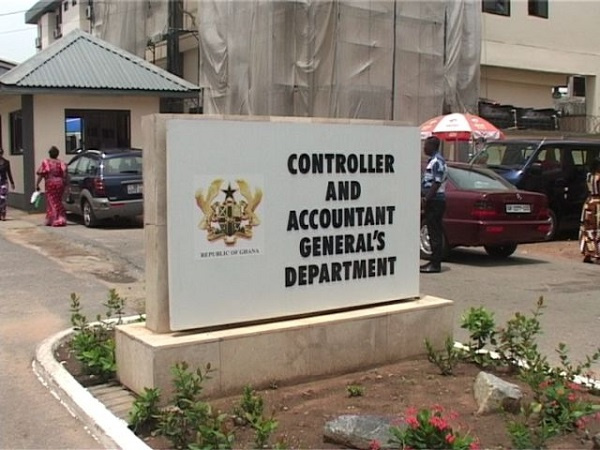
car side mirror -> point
(535, 168)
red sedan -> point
(482, 209)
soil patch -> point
(302, 410)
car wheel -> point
(425, 244)
(551, 234)
(500, 251)
(89, 218)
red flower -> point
(450, 438)
(474, 445)
(374, 445)
(438, 423)
(412, 422)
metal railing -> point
(580, 124)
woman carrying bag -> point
(54, 173)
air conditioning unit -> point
(38, 42)
(89, 12)
(576, 86)
(157, 37)
(57, 33)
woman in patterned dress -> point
(589, 232)
(54, 173)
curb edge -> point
(106, 428)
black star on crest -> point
(228, 192)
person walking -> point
(54, 173)
(5, 178)
(433, 202)
(589, 231)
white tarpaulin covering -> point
(130, 24)
(406, 60)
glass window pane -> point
(477, 180)
(501, 7)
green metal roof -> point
(82, 62)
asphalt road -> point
(35, 304)
(571, 290)
(42, 266)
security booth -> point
(78, 93)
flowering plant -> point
(561, 406)
(430, 429)
(558, 407)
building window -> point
(96, 129)
(538, 8)
(74, 2)
(501, 7)
(66, 5)
(16, 133)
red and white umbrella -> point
(460, 127)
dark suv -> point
(105, 184)
(553, 167)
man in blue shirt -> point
(433, 202)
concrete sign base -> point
(285, 351)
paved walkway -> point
(45, 407)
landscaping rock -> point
(494, 394)
(596, 441)
(356, 431)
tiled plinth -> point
(287, 351)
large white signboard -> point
(273, 219)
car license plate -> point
(134, 188)
(516, 208)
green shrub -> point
(355, 390)
(93, 343)
(145, 410)
(482, 331)
(251, 412)
(445, 360)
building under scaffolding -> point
(404, 60)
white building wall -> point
(49, 116)
(48, 24)
(519, 87)
(49, 122)
(564, 44)
(72, 17)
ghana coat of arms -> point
(229, 213)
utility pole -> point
(174, 61)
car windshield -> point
(478, 180)
(123, 164)
(508, 154)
